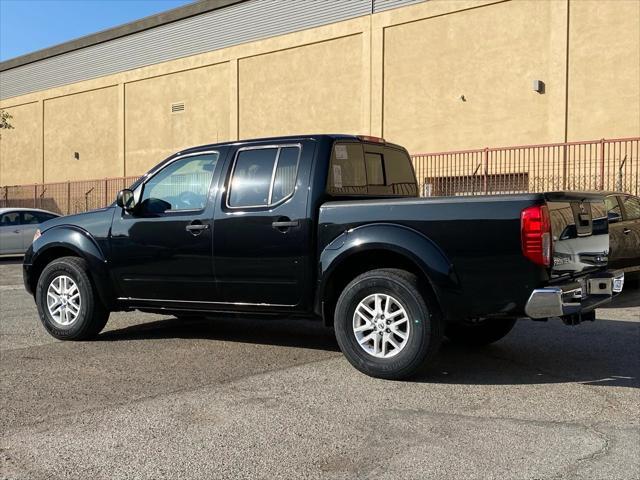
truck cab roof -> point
(332, 137)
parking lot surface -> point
(154, 397)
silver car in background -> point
(17, 227)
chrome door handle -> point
(197, 228)
(291, 223)
(626, 231)
(16, 231)
(284, 224)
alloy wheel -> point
(64, 300)
(381, 325)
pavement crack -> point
(606, 445)
(571, 470)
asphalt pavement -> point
(154, 397)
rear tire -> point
(480, 333)
(68, 305)
(385, 326)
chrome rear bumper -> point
(581, 296)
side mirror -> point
(126, 200)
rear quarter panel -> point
(479, 236)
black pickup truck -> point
(329, 227)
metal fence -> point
(65, 197)
(592, 165)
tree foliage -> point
(4, 120)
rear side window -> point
(631, 208)
(263, 176)
(30, 218)
(613, 209)
(364, 169)
(43, 217)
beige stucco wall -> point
(20, 148)
(398, 73)
(152, 132)
(604, 69)
(85, 123)
(310, 89)
(490, 56)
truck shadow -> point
(629, 298)
(285, 333)
(603, 353)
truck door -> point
(162, 251)
(262, 240)
(30, 223)
(11, 233)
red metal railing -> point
(65, 197)
(593, 165)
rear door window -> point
(263, 176)
(631, 208)
(252, 177)
(284, 180)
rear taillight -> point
(535, 227)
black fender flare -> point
(83, 245)
(399, 239)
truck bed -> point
(480, 237)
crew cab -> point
(328, 227)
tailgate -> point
(580, 232)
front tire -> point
(482, 332)
(68, 305)
(385, 326)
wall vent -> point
(177, 107)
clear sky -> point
(30, 25)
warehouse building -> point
(432, 75)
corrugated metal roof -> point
(162, 18)
(382, 5)
(232, 25)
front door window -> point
(182, 185)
